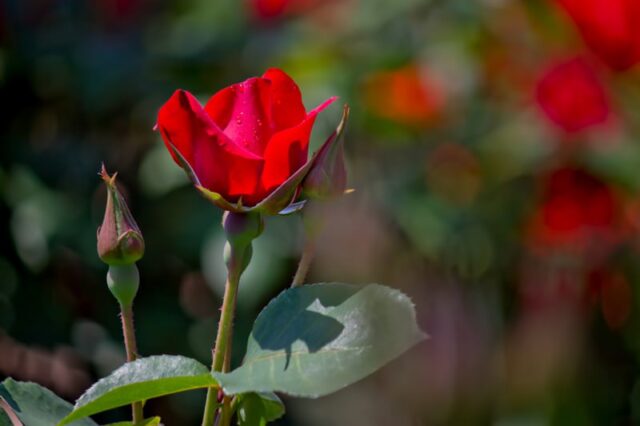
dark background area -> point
(515, 235)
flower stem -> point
(240, 229)
(305, 263)
(126, 315)
(223, 344)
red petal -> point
(241, 112)
(287, 150)
(287, 109)
(220, 106)
(220, 165)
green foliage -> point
(35, 405)
(140, 380)
(315, 339)
(4, 418)
(257, 409)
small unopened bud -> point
(242, 228)
(328, 176)
(120, 241)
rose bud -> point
(120, 241)
(328, 177)
(247, 149)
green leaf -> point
(139, 380)
(35, 405)
(257, 409)
(153, 421)
(315, 339)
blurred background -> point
(492, 145)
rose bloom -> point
(609, 28)
(247, 147)
(571, 96)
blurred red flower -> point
(609, 28)
(270, 10)
(406, 95)
(572, 96)
(248, 140)
(576, 208)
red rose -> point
(609, 28)
(247, 148)
(571, 96)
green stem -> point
(223, 344)
(240, 229)
(305, 263)
(126, 314)
(225, 414)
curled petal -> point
(218, 163)
(220, 106)
(241, 111)
(287, 150)
(287, 109)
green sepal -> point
(123, 282)
(258, 408)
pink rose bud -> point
(328, 176)
(120, 241)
